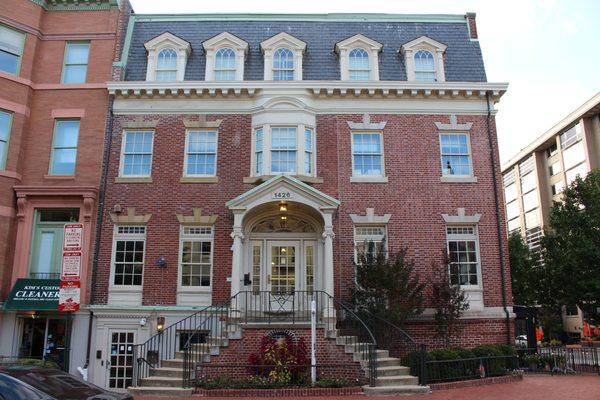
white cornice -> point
(318, 89)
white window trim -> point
(64, 65)
(122, 158)
(52, 148)
(185, 152)
(4, 157)
(436, 48)
(164, 41)
(454, 177)
(126, 236)
(286, 41)
(372, 47)
(366, 238)
(199, 238)
(225, 40)
(473, 237)
(382, 178)
(300, 150)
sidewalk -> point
(586, 387)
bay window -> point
(283, 150)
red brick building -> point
(257, 154)
(55, 60)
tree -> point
(571, 247)
(449, 301)
(524, 271)
(387, 287)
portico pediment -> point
(283, 188)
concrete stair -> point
(392, 377)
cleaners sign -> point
(70, 274)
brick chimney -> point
(470, 16)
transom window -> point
(76, 62)
(424, 66)
(166, 65)
(11, 50)
(225, 65)
(64, 147)
(463, 253)
(5, 127)
(129, 249)
(455, 154)
(358, 65)
(196, 256)
(283, 150)
(367, 154)
(283, 65)
(201, 153)
(137, 153)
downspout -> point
(498, 219)
(101, 197)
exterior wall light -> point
(160, 324)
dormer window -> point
(424, 66)
(283, 65)
(358, 65)
(225, 65)
(166, 65)
(359, 58)
(424, 59)
(167, 57)
(225, 57)
(283, 57)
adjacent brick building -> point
(55, 60)
(259, 153)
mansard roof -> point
(463, 59)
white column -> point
(237, 250)
(328, 284)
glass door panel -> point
(120, 366)
(282, 276)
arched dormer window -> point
(359, 58)
(167, 56)
(424, 58)
(424, 66)
(225, 65)
(166, 65)
(225, 55)
(358, 65)
(283, 65)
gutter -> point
(101, 197)
(498, 220)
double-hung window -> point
(258, 151)
(283, 150)
(308, 151)
(11, 50)
(283, 65)
(424, 66)
(5, 126)
(463, 253)
(136, 157)
(358, 65)
(128, 255)
(166, 65)
(196, 256)
(76, 62)
(367, 236)
(225, 65)
(455, 154)
(201, 153)
(367, 154)
(64, 147)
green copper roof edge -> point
(333, 17)
(126, 44)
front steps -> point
(392, 377)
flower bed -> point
(281, 392)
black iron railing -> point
(187, 343)
(560, 360)
(469, 368)
(398, 342)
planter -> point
(280, 392)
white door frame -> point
(108, 363)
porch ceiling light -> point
(282, 207)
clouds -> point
(546, 49)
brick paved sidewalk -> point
(543, 387)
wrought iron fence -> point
(560, 360)
(44, 275)
(468, 368)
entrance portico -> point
(282, 238)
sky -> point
(547, 50)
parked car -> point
(521, 341)
(56, 384)
(13, 389)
